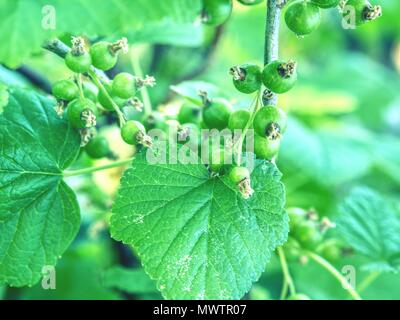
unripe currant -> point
(65, 90)
(250, 2)
(82, 113)
(98, 147)
(216, 12)
(124, 85)
(105, 54)
(240, 176)
(216, 112)
(238, 119)
(364, 11)
(217, 158)
(279, 76)
(325, 4)
(78, 59)
(133, 132)
(246, 77)
(270, 122)
(266, 148)
(189, 113)
(105, 101)
(302, 17)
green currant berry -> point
(302, 17)
(364, 11)
(250, 2)
(124, 85)
(98, 147)
(65, 90)
(105, 54)
(131, 130)
(292, 250)
(90, 91)
(246, 78)
(307, 234)
(238, 174)
(216, 12)
(217, 159)
(216, 114)
(296, 217)
(325, 4)
(279, 76)
(270, 122)
(105, 101)
(266, 148)
(330, 250)
(82, 113)
(155, 120)
(189, 113)
(188, 132)
(78, 63)
(238, 119)
(299, 296)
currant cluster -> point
(86, 96)
(304, 16)
(301, 16)
(308, 233)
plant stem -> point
(98, 83)
(271, 49)
(89, 170)
(79, 81)
(287, 279)
(335, 273)
(144, 92)
(368, 280)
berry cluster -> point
(85, 97)
(301, 16)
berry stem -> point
(335, 273)
(79, 82)
(98, 83)
(73, 173)
(143, 92)
(271, 49)
(287, 279)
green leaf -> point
(129, 280)
(195, 234)
(371, 225)
(24, 23)
(3, 97)
(326, 156)
(39, 214)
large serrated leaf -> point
(195, 234)
(39, 214)
(371, 225)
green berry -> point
(155, 120)
(266, 148)
(217, 159)
(131, 130)
(330, 250)
(247, 77)
(82, 113)
(238, 174)
(270, 122)
(105, 101)
(299, 296)
(364, 11)
(189, 113)
(216, 12)
(325, 4)
(302, 17)
(279, 76)
(216, 114)
(250, 2)
(124, 85)
(105, 54)
(238, 119)
(307, 234)
(98, 147)
(78, 63)
(65, 90)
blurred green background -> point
(344, 132)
